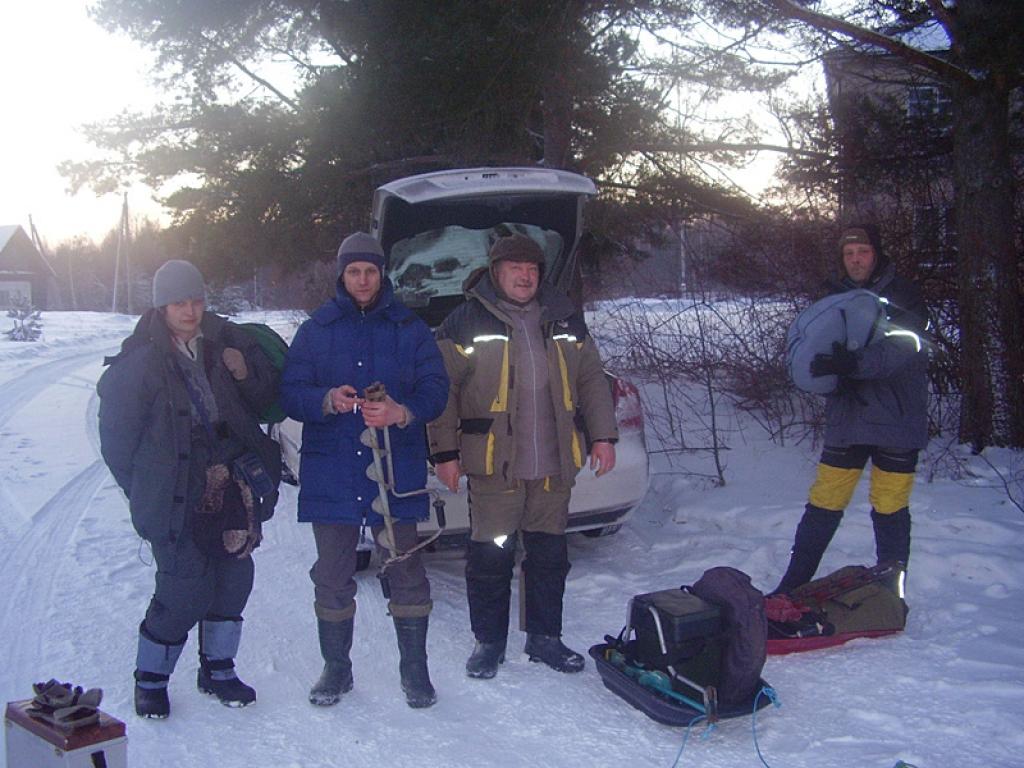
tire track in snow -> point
(38, 549)
(15, 394)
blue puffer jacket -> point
(341, 344)
(885, 402)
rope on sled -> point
(686, 735)
(773, 697)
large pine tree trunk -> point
(992, 360)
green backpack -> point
(276, 350)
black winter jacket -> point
(146, 433)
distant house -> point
(24, 273)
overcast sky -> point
(60, 69)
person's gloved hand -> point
(842, 362)
(234, 361)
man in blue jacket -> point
(879, 411)
(362, 336)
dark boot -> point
(892, 545)
(552, 652)
(483, 662)
(489, 593)
(544, 572)
(412, 648)
(154, 663)
(813, 535)
(892, 536)
(335, 645)
(218, 645)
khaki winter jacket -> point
(476, 426)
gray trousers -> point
(191, 586)
(334, 588)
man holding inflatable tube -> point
(878, 411)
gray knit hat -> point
(360, 246)
(176, 281)
(516, 247)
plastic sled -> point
(659, 706)
(783, 645)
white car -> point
(436, 229)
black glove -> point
(842, 362)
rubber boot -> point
(489, 593)
(545, 569)
(412, 648)
(892, 536)
(154, 663)
(551, 651)
(483, 662)
(218, 645)
(335, 645)
(892, 545)
(813, 535)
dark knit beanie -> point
(360, 246)
(176, 281)
(516, 247)
(855, 235)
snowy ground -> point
(77, 579)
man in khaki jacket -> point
(526, 380)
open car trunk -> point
(438, 227)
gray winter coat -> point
(147, 436)
(885, 402)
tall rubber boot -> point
(489, 593)
(892, 536)
(154, 663)
(335, 646)
(813, 535)
(412, 648)
(218, 645)
(544, 572)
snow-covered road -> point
(76, 580)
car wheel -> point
(607, 530)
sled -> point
(655, 698)
(850, 603)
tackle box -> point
(678, 632)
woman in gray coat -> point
(180, 433)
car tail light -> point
(629, 413)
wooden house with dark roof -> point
(24, 272)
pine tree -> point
(28, 325)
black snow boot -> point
(483, 662)
(412, 648)
(813, 535)
(545, 568)
(552, 652)
(892, 536)
(335, 645)
(218, 644)
(154, 663)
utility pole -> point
(38, 242)
(122, 231)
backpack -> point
(745, 632)
(855, 599)
(276, 350)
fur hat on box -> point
(175, 281)
(360, 246)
